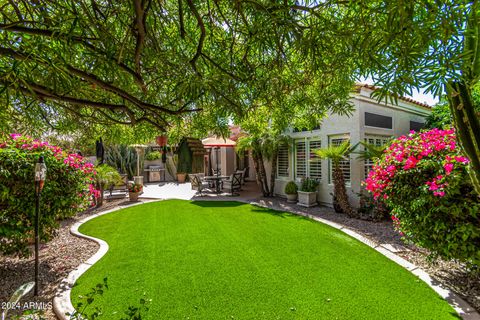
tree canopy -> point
(157, 62)
(195, 65)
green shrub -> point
(153, 155)
(309, 185)
(291, 188)
(107, 176)
(184, 163)
(68, 190)
(423, 178)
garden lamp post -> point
(40, 175)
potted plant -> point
(105, 178)
(134, 190)
(307, 195)
(153, 155)
(291, 191)
(181, 177)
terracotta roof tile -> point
(407, 99)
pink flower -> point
(439, 193)
(448, 167)
(461, 159)
(410, 163)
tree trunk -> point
(273, 173)
(467, 127)
(99, 200)
(340, 192)
(263, 175)
(257, 168)
(259, 171)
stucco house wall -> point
(352, 127)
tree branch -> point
(180, 17)
(203, 33)
(141, 31)
(81, 40)
(93, 79)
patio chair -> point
(198, 184)
(243, 171)
(119, 190)
(233, 184)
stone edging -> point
(62, 304)
(463, 309)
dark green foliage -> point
(372, 209)
(184, 164)
(440, 118)
(309, 185)
(291, 188)
(67, 191)
(448, 226)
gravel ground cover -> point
(57, 259)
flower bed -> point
(68, 190)
(423, 178)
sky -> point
(418, 95)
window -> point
(282, 161)
(416, 126)
(378, 121)
(344, 164)
(300, 159)
(377, 141)
(315, 166)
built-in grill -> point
(155, 173)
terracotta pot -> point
(162, 141)
(181, 177)
(133, 196)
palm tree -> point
(337, 154)
(370, 151)
(253, 145)
(264, 147)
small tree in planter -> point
(307, 195)
(291, 190)
(105, 178)
(340, 197)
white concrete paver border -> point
(463, 309)
(62, 304)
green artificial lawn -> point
(227, 260)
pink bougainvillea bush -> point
(68, 190)
(423, 179)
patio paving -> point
(173, 190)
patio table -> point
(216, 180)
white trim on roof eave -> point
(403, 106)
